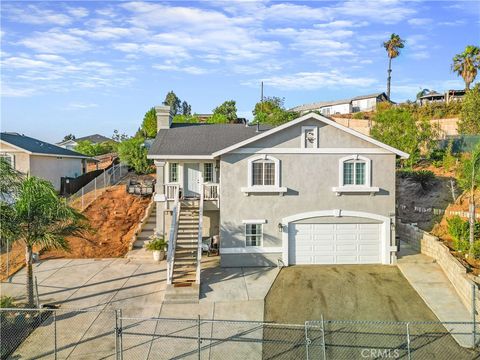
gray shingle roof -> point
(200, 139)
(37, 146)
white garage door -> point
(334, 244)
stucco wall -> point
(52, 168)
(309, 179)
(21, 158)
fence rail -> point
(87, 194)
(65, 333)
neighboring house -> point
(39, 158)
(449, 95)
(310, 191)
(94, 139)
(345, 106)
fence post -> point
(307, 341)
(82, 197)
(408, 341)
(8, 260)
(323, 340)
(104, 179)
(199, 341)
(474, 332)
(95, 184)
(36, 293)
(55, 333)
(118, 335)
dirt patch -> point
(114, 216)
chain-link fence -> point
(90, 334)
(87, 194)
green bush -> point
(459, 231)
(359, 115)
(475, 249)
(6, 302)
(156, 244)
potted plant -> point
(157, 245)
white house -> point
(39, 158)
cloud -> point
(79, 12)
(55, 41)
(315, 80)
(192, 70)
(31, 14)
(420, 21)
(80, 106)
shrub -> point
(475, 249)
(156, 244)
(6, 302)
(423, 177)
(459, 231)
(359, 115)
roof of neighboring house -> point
(200, 139)
(432, 93)
(95, 138)
(320, 104)
(35, 146)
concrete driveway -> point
(359, 292)
(104, 285)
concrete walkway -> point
(431, 283)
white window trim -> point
(245, 235)
(168, 173)
(304, 140)
(214, 179)
(255, 221)
(11, 156)
(263, 188)
(366, 188)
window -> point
(253, 234)
(354, 172)
(173, 172)
(309, 137)
(263, 173)
(208, 172)
(9, 158)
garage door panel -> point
(335, 243)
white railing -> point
(172, 191)
(210, 191)
(200, 233)
(172, 239)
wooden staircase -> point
(184, 287)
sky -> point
(87, 67)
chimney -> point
(164, 117)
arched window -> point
(264, 170)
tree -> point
(421, 93)
(186, 119)
(227, 112)
(470, 112)
(186, 108)
(467, 64)
(392, 46)
(149, 124)
(88, 148)
(42, 220)
(272, 111)
(69, 137)
(172, 100)
(134, 153)
(469, 180)
(398, 128)
(119, 137)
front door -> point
(192, 180)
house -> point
(94, 139)
(310, 191)
(41, 159)
(433, 96)
(345, 106)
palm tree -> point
(39, 218)
(467, 64)
(393, 46)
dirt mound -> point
(114, 217)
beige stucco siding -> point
(52, 168)
(21, 158)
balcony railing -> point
(172, 191)
(211, 191)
